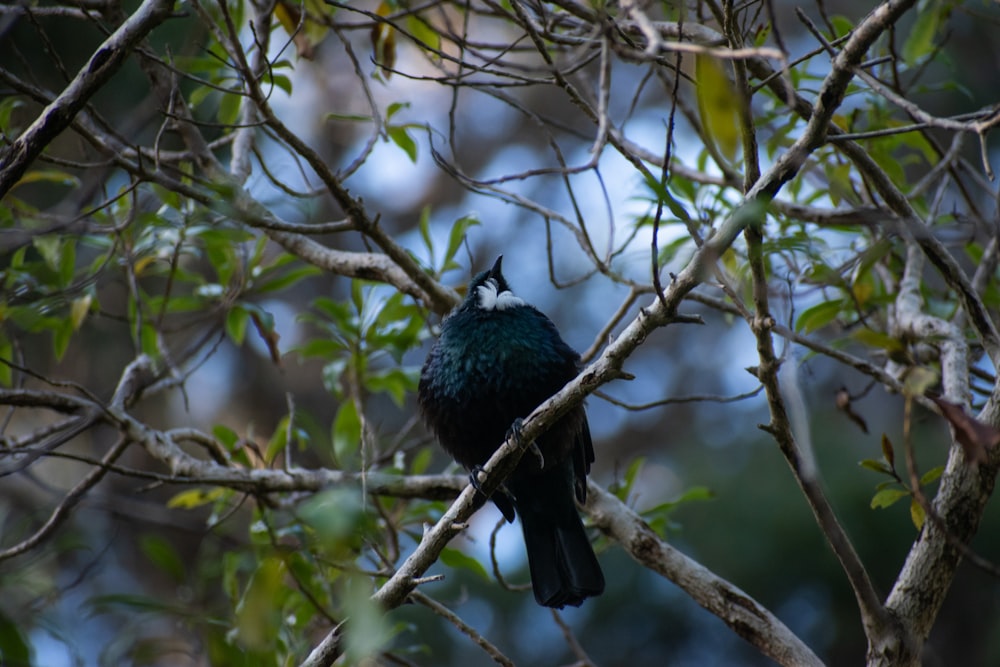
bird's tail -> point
(564, 568)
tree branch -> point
(744, 615)
(58, 115)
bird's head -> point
(489, 291)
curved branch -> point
(747, 617)
(58, 115)
(62, 511)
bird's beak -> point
(495, 271)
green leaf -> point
(346, 432)
(278, 441)
(337, 312)
(670, 250)
(920, 41)
(101, 604)
(49, 246)
(283, 82)
(307, 573)
(236, 324)
(395, 107)
(258, 615)
(931, 475)
(623, 490)
(14, 647)
(61, 336)
(199, 95)
(6, 352)
(286, 280)
(838, 177)
(425, 230)
(396, 382)
(401, 137)
(369, 630)
(361, 118)
(7, 107)
(67, 263)
(148, 341)
(876, 466)
(337, 516)
(664, 195)
(229, 108)
(332, 373)
(818, 316)
(227, 436)
(917, 514)
(887, 497)
(320, 347)
(456, 559)
(231, 564)
(695, 493)
(455, 237)
(841, 25)
(163, 555)
(357, 296)
(421, 461)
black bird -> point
(497, 359)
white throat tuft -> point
(491, 299)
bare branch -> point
(59, 114)
(739, 611)
(492, 651)
(62, 511)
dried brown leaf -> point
(975, 437)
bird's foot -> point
(474, 479)
(501, 497)
(514, 432)
(533, 448)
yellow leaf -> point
(78, 310)
(383, 38)
(287, 16)
(142, 263)
(918, 380)
(48, 176)
(193, 498)
(307, 32)
(917, 514)
(718, 105)
(842, 121)
(427, 37)
(878, 339)
(863, 291)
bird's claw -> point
(515, 430)
(515, 433)
(534, 449)
(501, 497)
(474, 474)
